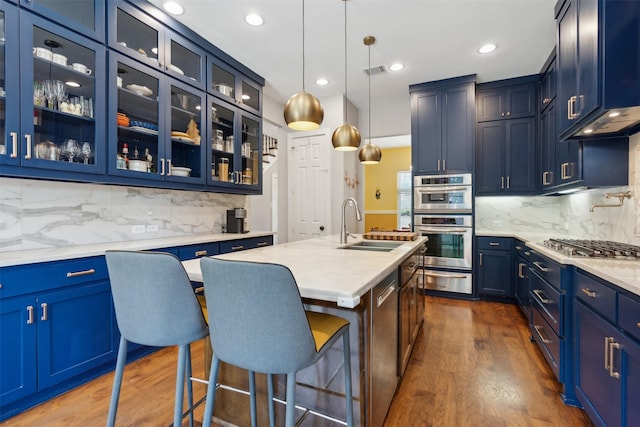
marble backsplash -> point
(569, 214)
(46, 214)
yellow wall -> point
(383, 177)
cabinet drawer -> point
(548, 300)
(244, 244)
(547, 269)
(546, 339)
(23, 279)
(521, 249)
(197, 251)
(495, 243)
(629, 315)
(596, 295)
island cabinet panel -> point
(607, 355)
(442, 125)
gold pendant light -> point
(303, 111)
(370, 154)
(345, 137)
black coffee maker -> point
(235, 220)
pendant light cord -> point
(345, 64)
(303, 65)
(369, 142)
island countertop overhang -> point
(322, 269)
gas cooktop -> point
(594, 248)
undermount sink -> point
(375, 245)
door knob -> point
(322, 228)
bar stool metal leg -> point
(211, 391)
(291, 400)
(347, 377)
(117, 382)
(180, 378)
(252, 399)
(189, 385)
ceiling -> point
(435, 39)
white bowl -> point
(138, 165)
(178, 171)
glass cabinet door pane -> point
(250, 96)
(250, 152)
(222, 120)
(83, 12)
(64, 91)
(3, 84)
(185, 61)
(137, 120)
(223, 81)
(136, 35)
(186, 125)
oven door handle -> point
(440, 190)
(442, 275)
(444, 230)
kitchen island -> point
(340, 281)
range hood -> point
(614, 121)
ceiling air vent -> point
(378, 69)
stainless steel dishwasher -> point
(384, 348)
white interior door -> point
(309, 185)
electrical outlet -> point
(137, 229)
(152, 228)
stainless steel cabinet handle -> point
(502, 182)
(237, 248)
(502, 114)
(539, 332)
(443, 190)
(45, 311)
(494, 244)
(540, 296)
(440, 231)
(527, 253)
(546, 101)
(199, 290)
(612, 372)
(169, 167)
(540, 266)
(27, 156)
(260, 244)
(30, 315)
(521, 267)
(201, 253)
(606, 353)
(480, 258)
(518, 247)
(14, 144)
(588, 292)
(508, 181)
(444, 276)
(161, 166)
(385, 294)
(81, 273)
(545, 174)
(638, 324)
(438, 165)
(508, 113)
(444, 164)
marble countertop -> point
(322, 269)
(82, 251)
(622, 273)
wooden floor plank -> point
(473, 365)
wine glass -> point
(50, 93)
(38, 93)
(87, 152)
(71, 149)
(60, 92)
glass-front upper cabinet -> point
(230, 84)
(85, 16)
(62, 98)
(250, 166)
(156, 123)
(9, 86)
(145, 39)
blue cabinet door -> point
(18, 348)
(10, 134)
(426, 131)
(490, 157)
(520, 101)
(86, 16)
(597, 389)
(587, 88)
(458, 128)
(548, 144)
(521, 282)
(567, 63)
(76, 332)
(490, 105)
(494, 273)
(520, 156)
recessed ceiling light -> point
(614, 114)
(254, 19)
(72, 84)
(322, 81)
(173, 8)
(487, 48)
(588, 131)
(396, 67)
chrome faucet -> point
(343, 226)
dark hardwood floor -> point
(473, 365)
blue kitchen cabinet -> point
(232, 86)
(495, 266)
(145, 39)
(548, 88)
(442, 125)
(86, 16)
(548, 136)
(521, 277)
(58, 329)
(597, 67)
(244, 244)
(505, 159)
(58, 129)
(10, 134)
(510, 102)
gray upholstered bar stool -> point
(155, 305)
(257, 322)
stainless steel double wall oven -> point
(443, 212)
